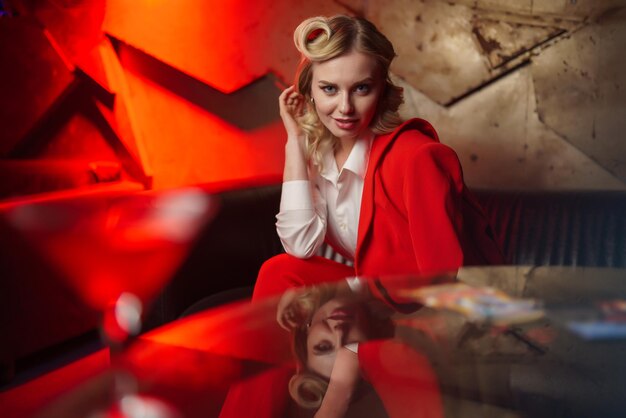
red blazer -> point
(417, 215)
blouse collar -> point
(356, 161)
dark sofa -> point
(535, 228)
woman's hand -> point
(291, 105)
(296, 306)
(286, 316)
(291, 108)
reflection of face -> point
(336, 323)
(346, 90)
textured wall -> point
(205, 85)
(497, 78)
(529, 93)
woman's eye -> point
(362, 88)
(329, 89)
(323, 347)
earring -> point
(311, 100)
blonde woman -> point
(382, 192)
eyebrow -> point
(365, 80)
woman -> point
(346, 353)
(383, 193)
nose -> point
(340, 330)
(346, 106)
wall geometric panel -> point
(214, 41)
(437, 52)
(33, 77)
(60, 112)
(503, 40)
(449, 50)
(76, 25)
(581, 91)
(502, 144)
(249, 107)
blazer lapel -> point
(379, 147)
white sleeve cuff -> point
(296, 195)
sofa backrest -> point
(568, 228)
(571, 228)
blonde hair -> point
(306, 387)
(319, 39)
(307, 390)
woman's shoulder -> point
(408, 136)
(414, 137)
(411, 143)
(416, 128)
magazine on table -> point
(478, 304)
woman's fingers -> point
(284, 315)
(291, 107)
(291, 99)
(288, 324)
(288, 95)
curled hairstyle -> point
(320, 39)
(307, 388)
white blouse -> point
(326, 206)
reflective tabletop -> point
(513, 341)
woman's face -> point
(346, 91)
(336, 323)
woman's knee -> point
(276, 266)
(285, 271)
(276, 275)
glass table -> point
(560, 354)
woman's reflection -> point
(347, 357)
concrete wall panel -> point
(530, 93)
(502, 143)
(580, 86)
(437, 52)
(503, 41)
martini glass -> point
(115, 253)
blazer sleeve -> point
(403, 378)
(432, 193)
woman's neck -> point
(342, 151)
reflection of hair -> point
(308, 388)
(319, 39)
